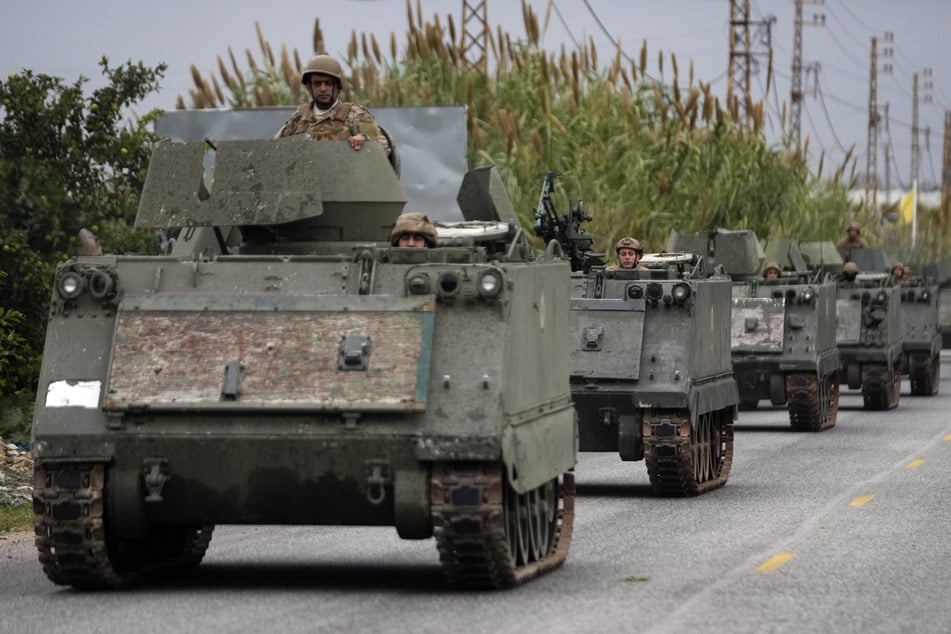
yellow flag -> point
(907, 210)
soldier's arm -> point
(364, 123)
(290, 126)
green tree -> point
(67, 160)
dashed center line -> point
(774, 562)
(914, 464)
(862, 501)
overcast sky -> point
(66, 38)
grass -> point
(16, 518)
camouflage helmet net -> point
(414, 223)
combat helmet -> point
(850, 267)
(414, 222)
(628, 243)
(772, 265)
(323, 65)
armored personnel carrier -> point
(921, 335)
(783, 344)
(650, 364)
(286, 365)
(869, 331)
(940, 272)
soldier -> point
(325, 117)
(772, 271)
(852, 239)
(849, 271)
(414, 230)
(629, 254)
(897, 272)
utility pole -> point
(475, 35)
(926, 86)
(887, 150)
(743, 58)
(871, 160)
(915, 150)
(946, 172)
(796, 91)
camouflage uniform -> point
(848, 243)
(342, 121)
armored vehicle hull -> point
(650, 370)
(940, 272)
(296, 369)
(869, 336)
(921, 338)
(780, 351)
(783, 346)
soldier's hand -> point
(357, 141)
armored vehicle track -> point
(488, 535)
(813, 404)
(683, 459)
(71, 537)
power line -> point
(611, 39)
(825, 109)
(858, 41)
(561, 19)
(856, 18)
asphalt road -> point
(842, 531)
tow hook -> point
(156, 475)
(377, 480)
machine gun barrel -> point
(566, 229)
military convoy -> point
(285, 364)
(650, 360)
(782, 339)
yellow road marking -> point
(948, 437)
(914, 464)
(862, 501)
(774, 562)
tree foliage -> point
(67, 160)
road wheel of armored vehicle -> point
(490, 536)
(924, 374)
(72, 534)
(813, 403)
(687, 459)
(881, 387)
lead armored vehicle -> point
(650, 362)
(783, 344)
(869, 331)
(286, 365)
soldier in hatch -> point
(772, 271)
(629, 254)
(325, 117)
(414, 230)
(849, 271)
(852, 239)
